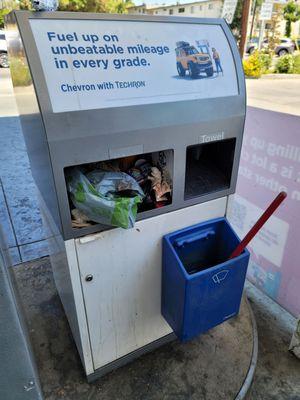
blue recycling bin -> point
(201, 288)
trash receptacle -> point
(115, 96)
(201, 288)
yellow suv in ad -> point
(188, 58)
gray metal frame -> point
(18, 373)
(58, 140)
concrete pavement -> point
(281, 95)
(20, 218)
(8, 107)
(211, 367)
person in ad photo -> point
(216, 58)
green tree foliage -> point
(285, 64)
(102, 6)
(256, 4)
(274, 33)
(82, 5)
(297, 64)
(237, 20)
(291, 13)
(3, 12)
(236, 24)
(97, 6)
(118, 6)
(257, 64)
(25, 5)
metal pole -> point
(253, 19)
(244, 27)
(261, 33)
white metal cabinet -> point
(124, 298)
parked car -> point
(188, 58)
(3, 51)
(286, 46)
(251, 46)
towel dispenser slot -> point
(208, 167)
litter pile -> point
(112, 192)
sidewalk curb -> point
(278, 76)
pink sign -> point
(270, 163)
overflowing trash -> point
(109, 198)
(113, 192)
(79, 219)
(160, 184)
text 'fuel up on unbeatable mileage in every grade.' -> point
(100, 45)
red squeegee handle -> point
(260, 222)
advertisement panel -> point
(91, 64)
(270, 163)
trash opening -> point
(112, 192)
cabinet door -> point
(123, 299)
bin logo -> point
(220, 276)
